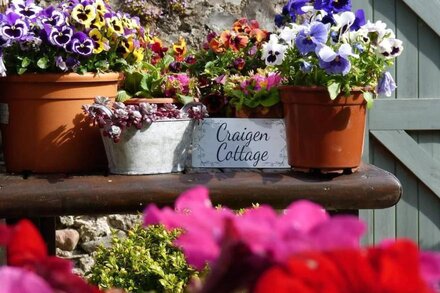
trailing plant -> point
(145, 261)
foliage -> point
(145, 261)
(323, 43)
(233, 52)
(163, 73)
(114, 118)
(257, 89)
(69, 36)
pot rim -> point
(136, 101)
(315, 88)
(64, 77)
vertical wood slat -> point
(384, 220)
(366, 215)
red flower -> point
(395, 268)
(26, 249)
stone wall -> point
(78, 237)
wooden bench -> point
(47, 196)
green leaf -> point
(270, 98)
(25, 62)
(43, 63)
(21, 70)
(132, 82)
(122, 96)
(185, 99)
(144, 84)
(334, 88)
(369, 97)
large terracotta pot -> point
(43, 128)
(322, 133)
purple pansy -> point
(81, 44)
(13, 27)
(53, 17)
(60, 36)
(311, 36)
(26, 8)
(331, 6)
(359, 20)
(386, 85)
(59, 62)
(72, 63)
(335, 63)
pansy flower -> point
(180, 49)
(98, 22)
(335, 63)
(81, 44)
(101, 7)
(52, 16)
(126, 46)
(390, 48)
(26, 8)
(84, 13)
(273, 51)
(333, 5)
(114, 25)
(237, 41)
(310, 36)
(101, 43)
(386, 85)
(289, 32)
(13, 27)
(60, 36)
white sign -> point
(240, 143)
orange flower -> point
(179, 49)
(238, 41)
(220, 44)
(259, 35)
(241, 25)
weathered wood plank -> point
(407, 213)
(407, 63)
(428, 11)
(429, 220)
(407, 114)
(385, 219)
(401, 145)
(39, 196)
(429, 61)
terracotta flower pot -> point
(321, 133)
(136, 101)
(43, 128)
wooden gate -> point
(403, 134)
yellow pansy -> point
(84, 14)
(99, 21)
(101, 7)
(101, 43)
(138, 54)
(115, 26)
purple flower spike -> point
(26, 8)
(81, 44)
(13, 27)
(335, 63)
(60, 36)
(333, 5)
(311, 36)
(53, 17)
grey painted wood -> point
(407, 62)
(429, 62)
(405, 149)
(427, 10)
(385, 219)
(429, 220)
(408, 114)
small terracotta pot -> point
(43, 127)
(276, 111)
(322, 133)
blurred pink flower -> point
(14, 280)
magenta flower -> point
(15, 280)
(273, 80)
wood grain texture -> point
(427, 10)
(370, 187)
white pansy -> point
(379, 29)
(307, 8)
(390, 48)
(345, 19)
(273, 51)
(289, 32)
(115, 130)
